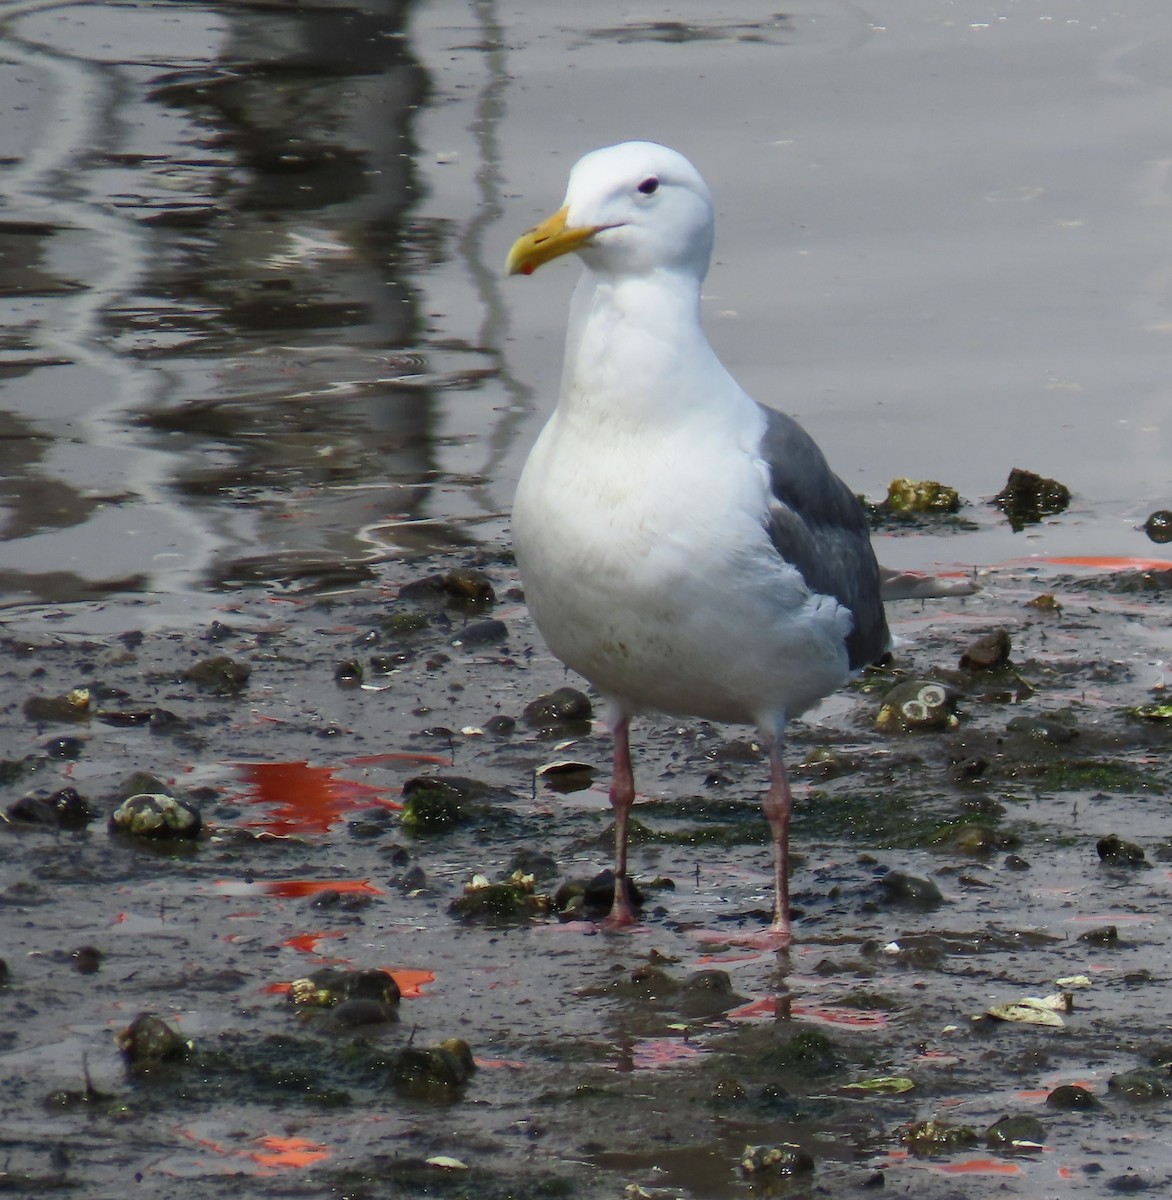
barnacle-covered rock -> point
(156, 816)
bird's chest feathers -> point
(623, 509)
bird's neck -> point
(632, 343)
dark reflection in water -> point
(215, 369)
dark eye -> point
(649, 186)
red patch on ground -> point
(304, 799)
(1110, 563)
(978, 1166)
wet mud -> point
(1016, 850)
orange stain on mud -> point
(411, 980)
(305, 799)
(289, 1152)
(978, 1166)
(307, 943)
(1110, 563)
(272, 1153)
(296, 889)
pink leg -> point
(622, 796)
(778, 805)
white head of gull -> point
(685, 549)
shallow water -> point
(258, 351)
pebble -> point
(988, 653)
(1116, 852)
(910, 891)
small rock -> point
(1102, 935)
(70, 708)
(469, 584)
(148, 1041)
(921, 496)
(481, 633)
(1020, 1132)
(598, 893)
(348, 673)
(1027, 498)
(910, 891)
(438, 803)
(399, 625)
(330, 986)
(1141, 1084)
(438, 1072)
(496, 902)
(1043, 728)
(86, 960)
(564, 706)
(1071, 1096)
(1159, 526)
(1116, 852)
(69, 748)
(500, 726)
(977, 840)
(786, 1158)
(221, 675)
(988, 653)
(1127, 1185)
(1014, 862)
(64, 809)
(156, 816)
(937, 1137)
(917, 705)
(538, 863)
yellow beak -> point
(551, 239)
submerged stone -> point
(64, 809)
(72, 707)
(220, 675)
(147, 1041)
(786, 1158)
(988, 653)
(1072, 1097)
(1101, 935)
(436, 1072)
(937, 1137)
(1141, 1084)
(564, 706)
(1116, 852)
(1045, 729)
(910, 891)
(1021, 1132)
(330, 986)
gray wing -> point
(818, 525)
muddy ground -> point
(604, 1062)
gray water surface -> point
(256, 331)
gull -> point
(685, 549)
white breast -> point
(648, 570)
